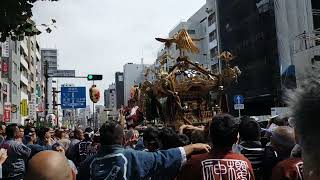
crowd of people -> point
(227, 148)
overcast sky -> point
(100, 36)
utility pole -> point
(94, 77)
(55, 104)
(93, 111)
(46, 105)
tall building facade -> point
(49, 58)
(119, 81)
(247, 29)
(9, 54)
(111, 97)
(14, 82)
(274, 42)
(34, 60)
(305, 49)
(212, 34)
(20, 97)
(110, 112)
(106, 98)
(199, 26)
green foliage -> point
(15, 19)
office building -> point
(34, 60)
(49, 58)
(304, 32)
(111, 97)
(247, 29)
(9, 54)
(12, 77)
(106, 98)
(199, 26)
(21, 80)
(273, 41)
(119, 82)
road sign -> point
(238, 99)
(7, 115)
(64, 73)
(73, 97)
(238, 106)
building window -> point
(120, 78)
(212, 36)
(212, 19)
(213, 52)
(191, 31)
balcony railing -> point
(213, 44)
(306, 41)
(24, 46)
(212, 27)
(24, 79)
(38, 54)
(24, 62)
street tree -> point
(15, 20)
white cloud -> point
(100, 36)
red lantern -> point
(94, 94)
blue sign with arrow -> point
(73, 97)
(238, 99)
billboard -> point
(5, 67)
(24, 108)
(64, 73)
(7, 112)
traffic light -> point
(94, 77)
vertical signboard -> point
(5, 49)
(5, 67)
(7, 112)
(32, 107)
(7, 115)
(24, 108)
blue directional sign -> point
(73, 97)
(238, 99)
